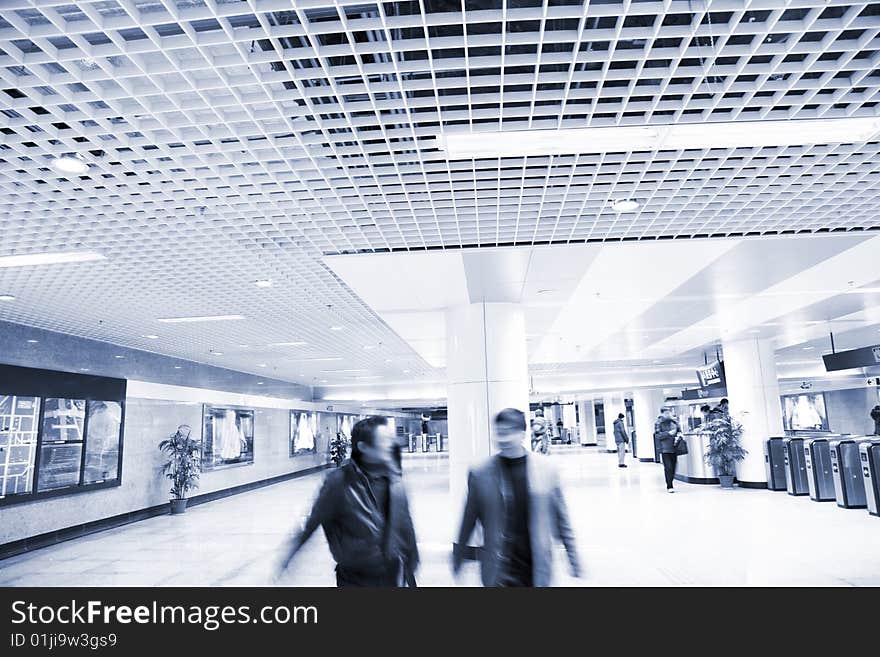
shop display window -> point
(56, 445)
(19, 429)
(228, 437)
(303, 432)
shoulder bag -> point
(681, 446)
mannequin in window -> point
(228, 438)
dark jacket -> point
(355, 526)
(875, 415)
(665, 430)
(620, 432)
(548, 517)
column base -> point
(750, 484)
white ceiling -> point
(638, 315)
(232, 141)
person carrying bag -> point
(668, 435)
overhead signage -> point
(874, 381)
(711, 375)
(703, 393)
(852, 359)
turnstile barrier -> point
(774, 463)
(869, 458)
(796, 482)
(849, 484)
(817, 459)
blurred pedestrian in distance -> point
(666, 432)
(705, 410)
(363, 509)
(724, 405)
(540, 433)
(516, 498)
(875, 415)
(621, 439)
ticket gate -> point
(849, 484)
(774, 463)
(817, 459)
(869, 457)
(795, 468)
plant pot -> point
(726, 481)
(178, 506)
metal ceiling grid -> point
(236, 140)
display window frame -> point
(786, 424)
(235, 464)
(35, 493)
(313, 421)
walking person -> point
(667, 431)
(621, 439)
(875, 415)
(516, 498)
(363, 509)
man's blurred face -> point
(380, 450)
(507, 436)
(667, 413)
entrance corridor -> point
(630, 532)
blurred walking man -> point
(364, 511)
(516, 498)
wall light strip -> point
(730, 134)
(34, 259)
(204, 318)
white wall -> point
(152, 413)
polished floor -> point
(630, 532)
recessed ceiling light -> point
(335, 328)
(722, 134)
(387, 360)
(406, 371)
(545, 291)
(625, 205)
(259, 383)
(118, 356)
(216, 353)
(243, 346)
(202, 318)
(71, 163)
(49, 258)
(263, 283)
(83, 369)
(808, 348)
(177, 367)
(297, 343)
(7, 297)
(33, 341)
(151, 337)
(261, 364)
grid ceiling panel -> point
(236, 137)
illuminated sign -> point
(711, 375)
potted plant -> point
(725, 447)
(182, 466)
(339, 449)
